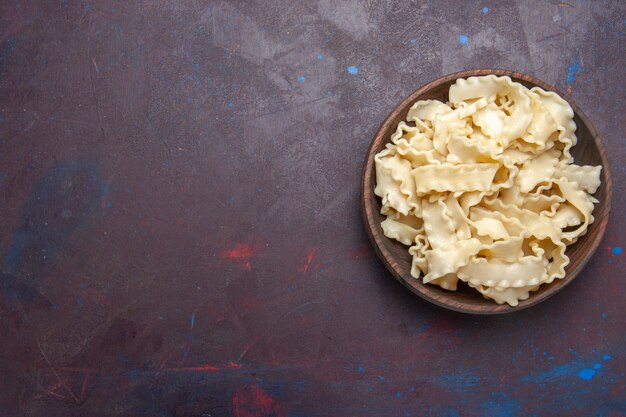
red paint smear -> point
(242, 254)
(240, 251)
(95, 297)
(201, 368)
(206, 368)
(363, 250)
(83, 390)
(57, 395)
(232, 365)
(76, 369)
(147, 226)
(251, 303)
(309, 258)
(252, 401)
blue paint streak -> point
(460, 381)
(572, 70)
(413, 41)
(617, 250)
(41, 229)
(606, 357)
(422, 328)
(301, 79)
(557, 372)
(319, 57)
(193, 319)
(353, 70)
(603, 315)
(134, 374)
(230, 105)
(13, 258)
(586, 374)
(499, 405)
(360, 369)
(398, 395)
(485, 10)
(451, 412)
(7, 50)
(597, 366)
(11, 43)
(464, 39)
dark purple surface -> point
(181, 231)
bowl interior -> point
(588, 151)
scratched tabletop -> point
(180, 224)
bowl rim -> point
(494, 308)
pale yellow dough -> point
(483, 187)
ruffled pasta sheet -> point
(511, 281)
(534, 224)
(427, 110)
(587, 177)
(419, 264)
(402, 228)
(442, 122)
(418, 157)
(525, 271)
(458, 218)
(447, 282)
(453, 124)
(412, 137)
(458, 255)
(471, 151)
(423, 114)
(448, 260)
(453, 177)
(542, 125)
(394, 183)
(537, 170)
(448, 231)
(510, 295)
(563, 115)
(543, 204)
(493, 119)
(581, 202)
(494, 225)
(438, 225)
(576, 210)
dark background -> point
(180, 226)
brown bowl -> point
(588, 151)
